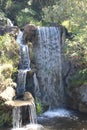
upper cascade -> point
(24, 65)
(24, 53)
(49, 62)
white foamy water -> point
(34, 127)
(19, 37)
(48, 56)
(57, 113)
(18, 129)
(31, 127)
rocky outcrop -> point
(77, 98)
(29, 33)
(75, 85)
(26, 101)
(6, 26)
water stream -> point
(24, 67)
(49, 62)
(17, 117)
(33, 117)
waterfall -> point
(49, 62)
(17, 118)
(25, 60)
(24, 65)
(21, 82)
(32, 113)
(36, 84)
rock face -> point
(75, 85)
(29, 33)
(77, 98)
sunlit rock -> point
(7, 94)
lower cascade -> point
(17, 116)
(17, 119)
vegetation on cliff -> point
(9, 59)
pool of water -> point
(64, 124)
(61, 120)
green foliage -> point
(5, 115)
(24, 11)
(9, 60)
(79, 78)
(39, 106)
(9, 50)
(25, 16)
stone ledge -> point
(18, 103)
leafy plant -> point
(9, 60)
(79, 78)
(39, 106)
(5, 115)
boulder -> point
(29, 33)
(7, 94)
(77, 98)
(28, 97)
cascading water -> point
(17, 118)
(36, 84)
(24, 67)
(24, 61)
(49, 62)
(21, 82)
(33, 117)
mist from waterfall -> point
(49, 62)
